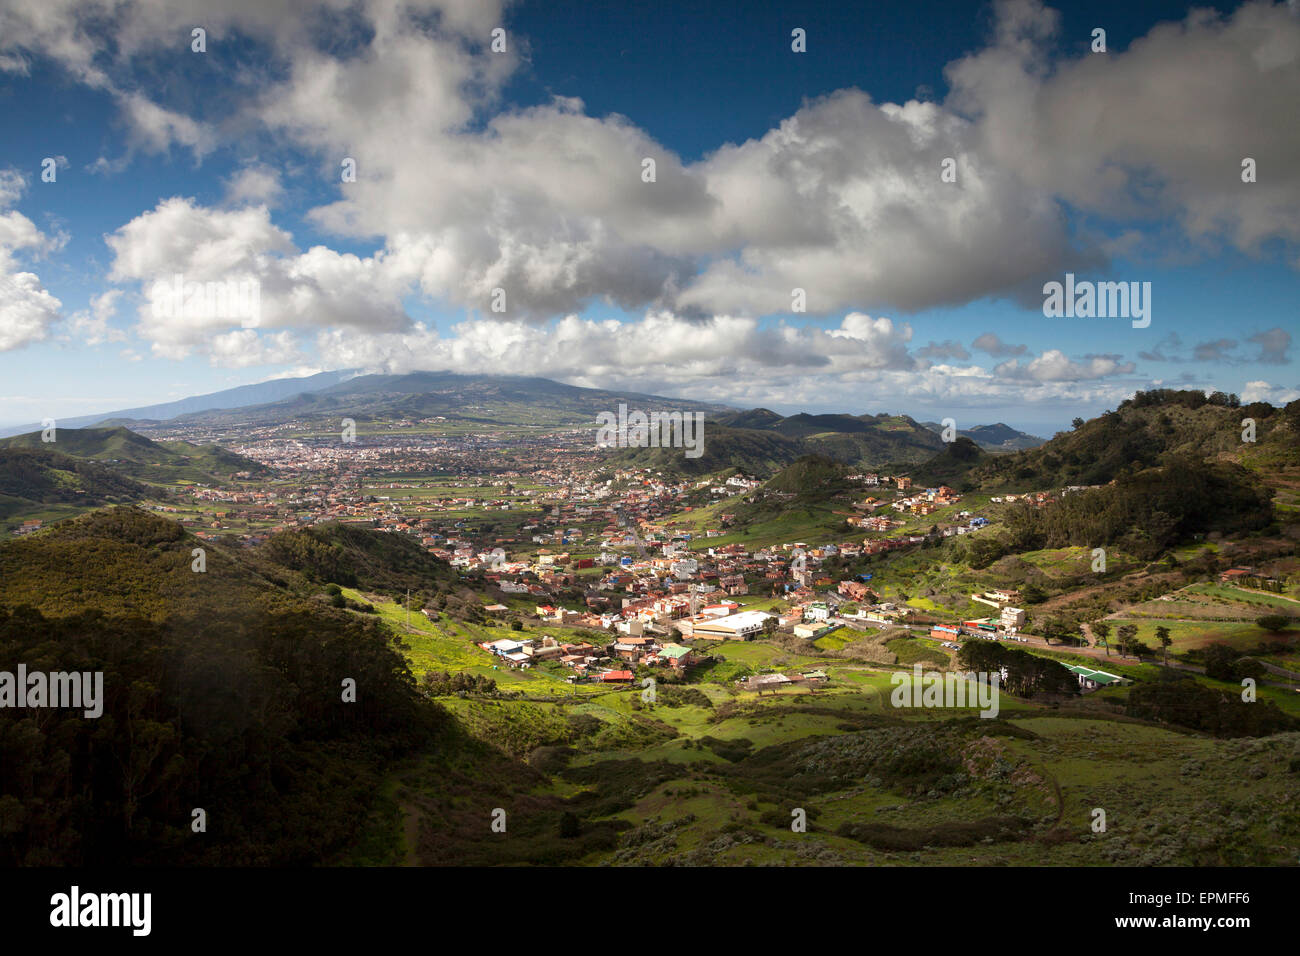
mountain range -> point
(488, 400)
(506, 399)
(1142, 432)
(244, 395)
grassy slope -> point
(139, 457)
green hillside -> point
(813, 476)
(760, 442)
(357, 557)
(46, 484)
(140, 457)
(1148, 430)
(221, 691)
(747, 450)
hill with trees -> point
(814, 476)
(760, 442)
(41, 482)
(223, 690)
(747, 450)
(357, 557)
(1146, 431)
(1143, 514)
(139, 457)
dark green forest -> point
(1143, 513)
(1150, 429)
(234, 705)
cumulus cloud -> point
(668, 348)
(91, 326)
(1212, 89)
(843, 199)
(1262, 391)
(256, 183)
(180, 240)
(1054, 366)
(459, 196)
(241, 348)
(27, 309)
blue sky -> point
(522, 171)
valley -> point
(639, 664)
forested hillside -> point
(223, 691)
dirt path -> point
(1279, 671)
(1284, 597)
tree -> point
(1126, 633)
(1077, 423)
(1032, 594)
(1101, 631)
(1274, 622)
(1162, 635)
(1219, 659)
(1059, 629)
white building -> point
(816, 612)
(735, 627)
(685, 568)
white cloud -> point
(255, 183)
(27, 309)
(843, 198)
(1054, 366)
(91, 326)
(316, 288)
(1154, 132)
(1262, 391)
(240, 348)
